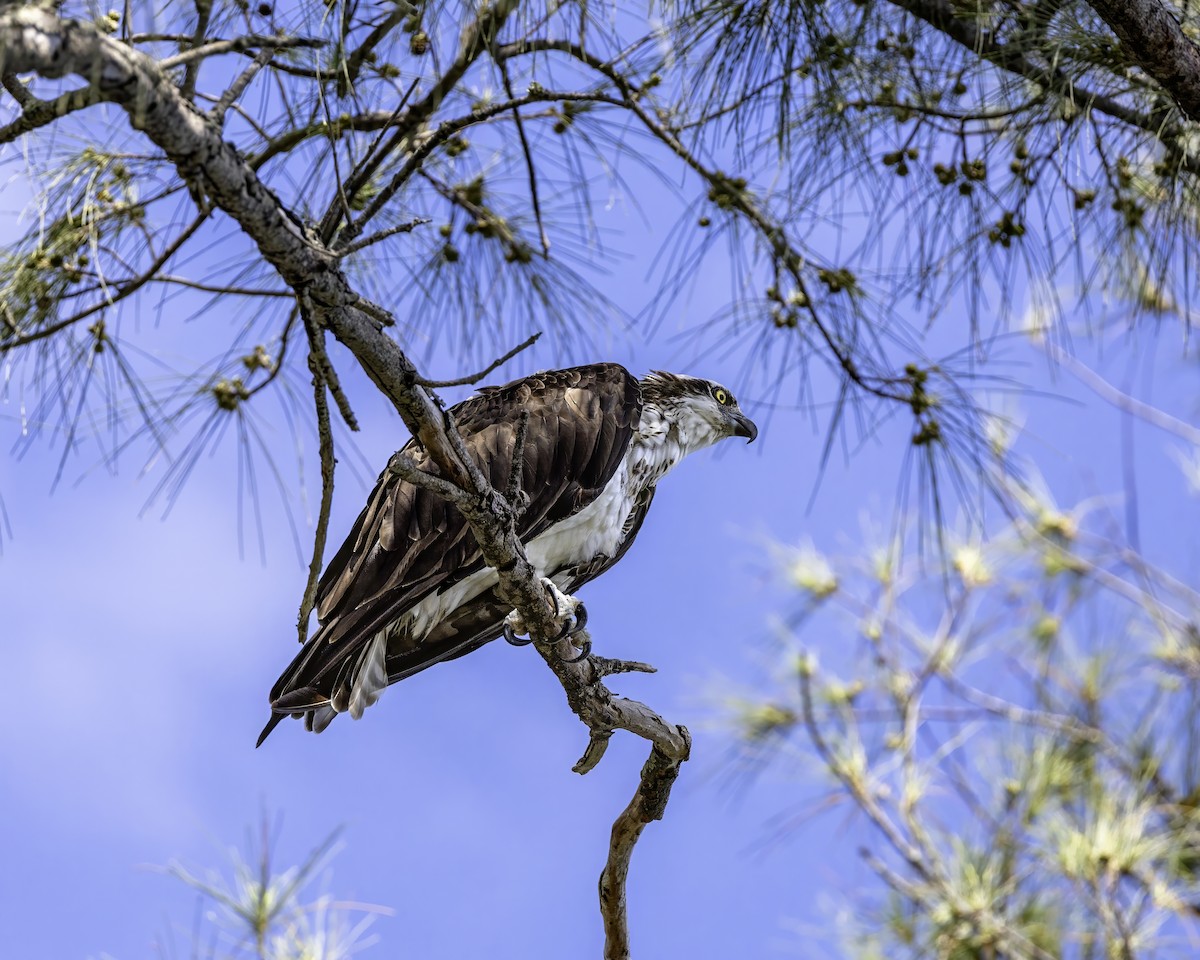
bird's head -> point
(702, 411)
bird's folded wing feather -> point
(408, 542)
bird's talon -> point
(511, 636)
(582, 655)
(581, 619)
(568, 628)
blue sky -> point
(138, 654)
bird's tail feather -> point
(276, 719)
(294, 702)
(330, 681)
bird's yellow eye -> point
(721, 395)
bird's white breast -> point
(594, 530)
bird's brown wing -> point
(408, 542)
(482, 620)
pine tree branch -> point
(476, 38)
(1156, 41)
(12, 83)
(648, 804)
(34, 40)
(942, 16)
(354, 63)
(239, 85)
(236, 45)
(38, 113)
(203, 13)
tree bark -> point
(1156, 41)
(944, 17)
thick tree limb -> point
(1155, 39)
(648, 803)
(34, 40)
(603, 713)
(39, 113)
(12, 83)
(941, 15)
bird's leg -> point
(515, 631)
(571, 612)
(566, 608)
(574, 618)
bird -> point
(409, 587)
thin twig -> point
(137, 38)
(218, 288)
(476, 377)
(239, 85)
(125, 290)
(203, 12)
(38, 113)
(284, 338)
(316, 346)
(594, 752)
(237, 45)
(1123, 401)
(380, 316)
(608, 667)
(376, 151)
(514, 491)
(339, 181)
(241, 111)
(404, 467)
(532, 171)
(372, 120)
(328, 464)
(381, 235)
(489, 500)
(349, 73)
(448, 128)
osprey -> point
(409, 587)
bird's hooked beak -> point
(743, 426)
